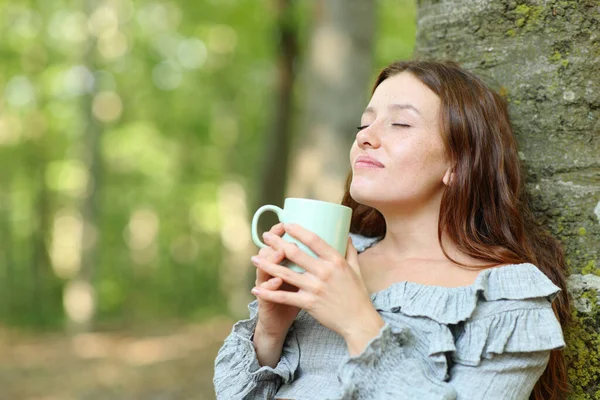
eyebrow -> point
(404, 106)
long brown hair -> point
(485, 211)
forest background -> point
(137, 138)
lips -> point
(368, 162)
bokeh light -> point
(107, 106)
(19, 91)
(167, 75)
(65, 250)
(191, 53)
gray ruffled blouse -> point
(490, 340)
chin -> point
(362, 196)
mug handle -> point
(257, 215)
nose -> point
(367, 137)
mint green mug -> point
(329, 221)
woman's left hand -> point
(331, 289)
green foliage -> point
(180, 94)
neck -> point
(412, 233)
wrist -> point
(268, 339)
(268, 348)
(360, 335)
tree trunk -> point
(275, 164)
(238, 275)
(338, 69)
(40, 263)
(80, 296)
(544, 56)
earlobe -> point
(448, 177)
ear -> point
(448, 177)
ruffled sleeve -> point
(530, 327)
(238, 375)
(385, 371)
(503, 329)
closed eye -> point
(402, 125)
(360, 128)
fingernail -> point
(254, 259)
(255, 290)
(267, 235)
(287, 226)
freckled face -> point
(400, 129)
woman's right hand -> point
(274, 320)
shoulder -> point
(495, 290)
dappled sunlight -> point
(331, 51)
(10, 130)
(113, 46)
(19, 92)
(79, 301)
(139, 147)
(67, 27)
(67, 176)
(76, 81)
(104, 21)
(222, 39)
(65, 249)
(191, 53)
(131, 133)
(204, 217)
(141, 234)
(235, 232)
(107, 106)
(158, 17)
(315, 173)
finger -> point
(287, 275)
(276, 256)
(296, 299)
(269, 254)
(352, 256)
(277, 229)
(261, 277)
(320, 247)
(293, 253)
(272, 284)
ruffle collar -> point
(450, 305)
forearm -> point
(268, 349)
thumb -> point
(352, 257)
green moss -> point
(523, 9)
(590, 268)
(529, 17)
(510, 32)
(582, 231)
(565, 63)
(583, 351)
(556, 56)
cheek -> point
(354, 151)
(416, 160)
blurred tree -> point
(537, 53)
(338, 67)
(157, 113)
(278, 136)
(80, 293)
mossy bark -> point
(544, 56)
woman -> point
(448, 290)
